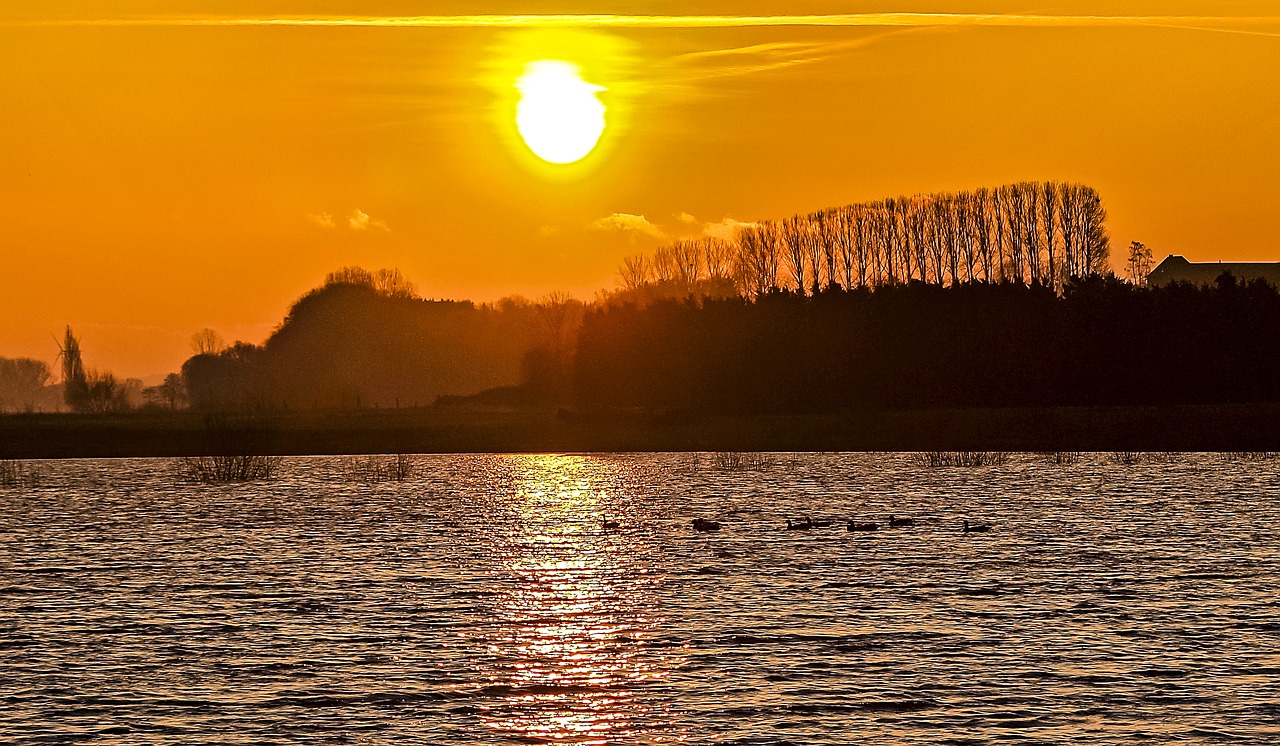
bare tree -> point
(687, 263)
(207, 342)
(758, 258)
(1138, 265)
(349, 276)
(795, 249)
(982, 227)
(635, 272)
(717, 258)
(559, 316)
(1069, 221)
(664, 265)
(1031, 232)
(393, 284)
(1048, 214)
(1096, 245)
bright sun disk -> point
(559, 115)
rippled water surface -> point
(482, 602)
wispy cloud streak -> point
(855, 20)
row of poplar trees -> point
(1031, 232)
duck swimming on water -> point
(975, 528)
(855, 526)
(895, 522)
(609, 525)
(704, 525)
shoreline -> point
(1236, 427)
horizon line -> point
(839, 20)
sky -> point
(170, 165)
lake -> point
(481, 601)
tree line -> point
(1097, 341)
(1030, 232)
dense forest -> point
(1101, 341)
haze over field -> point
(161, 173)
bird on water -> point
(975, 528)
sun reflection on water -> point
(570, 654)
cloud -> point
(726, 229)
(849, 20)
(635, 225)
(763, 58)
(359, 220)
(686, 218)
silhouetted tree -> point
(75, 382)
(24, 384)
(171, 394)
(635, 272)
(1029, 232)
(1138, 265)
(1101, 341)
(207, 342)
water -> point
(482, 603)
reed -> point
(19, 474)
(981, 458)
(375, 469)
(966, 459)
(1250, 455)
(225, 469)
(740, 461)
(1062, 458)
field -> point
(461, 430)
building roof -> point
(1177, 269)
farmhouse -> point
(1178, 269)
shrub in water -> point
(736, 461)
(969, 459)
(373, 469)
(223, 469)
(19, 474)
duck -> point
(895, 522)
(704, 525)
(609, 525)
(804, 525)
(975, 528)
(855, 526)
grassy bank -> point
(446, 430)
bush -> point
(223, 469)
(737, 461)
(20, 474)
(374, 469)
(967, 459)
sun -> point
(559, 115)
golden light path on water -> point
(480, 602)
(578, 606)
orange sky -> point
(159, 174)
